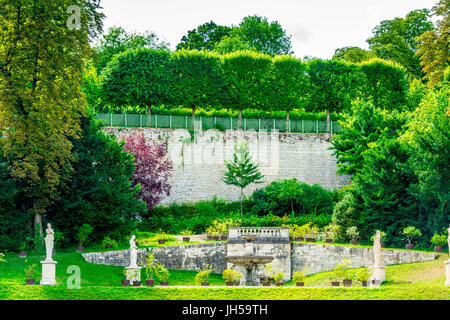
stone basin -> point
(250, 263)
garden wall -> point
(320, 258)
(199, 161)
(296, 256)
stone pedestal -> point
(447, 269)
(379, 273)
(48, 273)
(133, 274)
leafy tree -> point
(365, 126)
(241, 172)
(287, 84)
(353, 54)
(433, 48)
(198, 81)
(290, 191)
(230, 44)
(332, 85)
(40, 102)
(245, 74)
(387, 84)
(117, 40)
(153, 168)
(204, 37)
(91, 87)
(140, 78)
(266, 37)
(396, 39)
(100, 191)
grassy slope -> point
(409, 281)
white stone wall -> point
(199, 164)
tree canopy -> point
(204, 37)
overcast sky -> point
(317, 27)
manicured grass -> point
(423, 280)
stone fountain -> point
(247, 250)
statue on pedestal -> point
(133, 252)
(49, 239)
(377, 249)
(448, 240)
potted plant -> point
(331, 232)
(29, 272)
(150, 266)
(363, 276)
(163, 274)
(410, 232)
(210, 231)
(82, 235)
(299, 277)
(383, 236)
(439, 241)
(203, 276)
(268, 274)
(353, 233)
(237, 278)
(22, 252)
(338, 274)
(126, 282)
(186, 235)
(136, 275)
(279, 278)
(230, 276)
(109, 243)
(347, 281)
(297, 232)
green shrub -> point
(439, 239)
(410, 232)
(203, 275)
(83, 232)
(299, 276)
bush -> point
(345, 215)
(203, 275)
(439, 239)
(83, 233)
(410, 232)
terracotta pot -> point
(279, 284)
(382, 244)
(161, 241)
(298, 238)
(149, 283)
(328, 240)
(236, 284)
(22, 254)
(209, 237)
(229, 284)
(364, 283)
(108, 246)
(300, 284)
(164, 283)
(224, 238)
(136, 283)
(80, 249)
(409, 246)
(215, 238)
(354, 242)
(347, 282)
(375, 282)
(31, 282)
(125, 283)
(266, 284)
(438, 248)
(186, 239)
(335, 283)
(205, 284)
(310, 239)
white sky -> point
(317, 27)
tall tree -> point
(433, 48)
(245, 74)
(117, 40)
(139, 78)
(230, 44)
(353, 54)
(241, 171)
(396, 39)
(266, 37)
(204, 37)
(41, 58)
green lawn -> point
(409, 281)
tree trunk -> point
(240, 119)
(240, 199)
(328, 120)
(287, 121)
(292, 206)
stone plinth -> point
(48, 273)
(447, 269)
(133, 274)
(379, 274)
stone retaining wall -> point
(320, 258)
(289, 257)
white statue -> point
(448, 240)
(377, 249)
(133, 252)
(49, 242)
